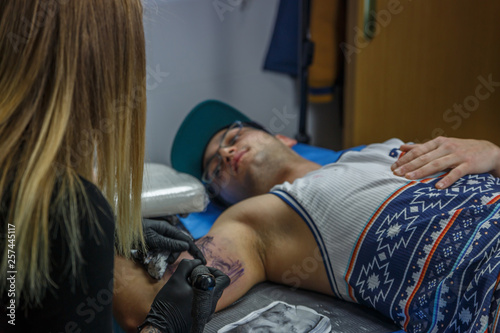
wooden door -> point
(432, 68)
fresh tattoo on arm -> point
(232, 268)
(212, 252)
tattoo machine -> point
(203, 283)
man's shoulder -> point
(262, 211)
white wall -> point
(197, 51)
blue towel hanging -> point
(282, 55)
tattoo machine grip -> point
(203, 283)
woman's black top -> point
(75, 305)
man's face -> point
(248, 158)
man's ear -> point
(286, 140)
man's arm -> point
(261, 238)
(231, 246)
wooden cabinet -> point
(432, 68)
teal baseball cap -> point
(199, 126)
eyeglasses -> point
(216, 160)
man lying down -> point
(429, 259)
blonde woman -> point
(72, 121)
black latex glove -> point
(162, 236)
(171, 309)
(206, 295)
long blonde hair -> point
(72, 103)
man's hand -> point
(162, 236)
(462, 156)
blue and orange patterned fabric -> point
(444, 246)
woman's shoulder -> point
(87, 206)
(96, 198)
(81, 266)
(97, 208)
